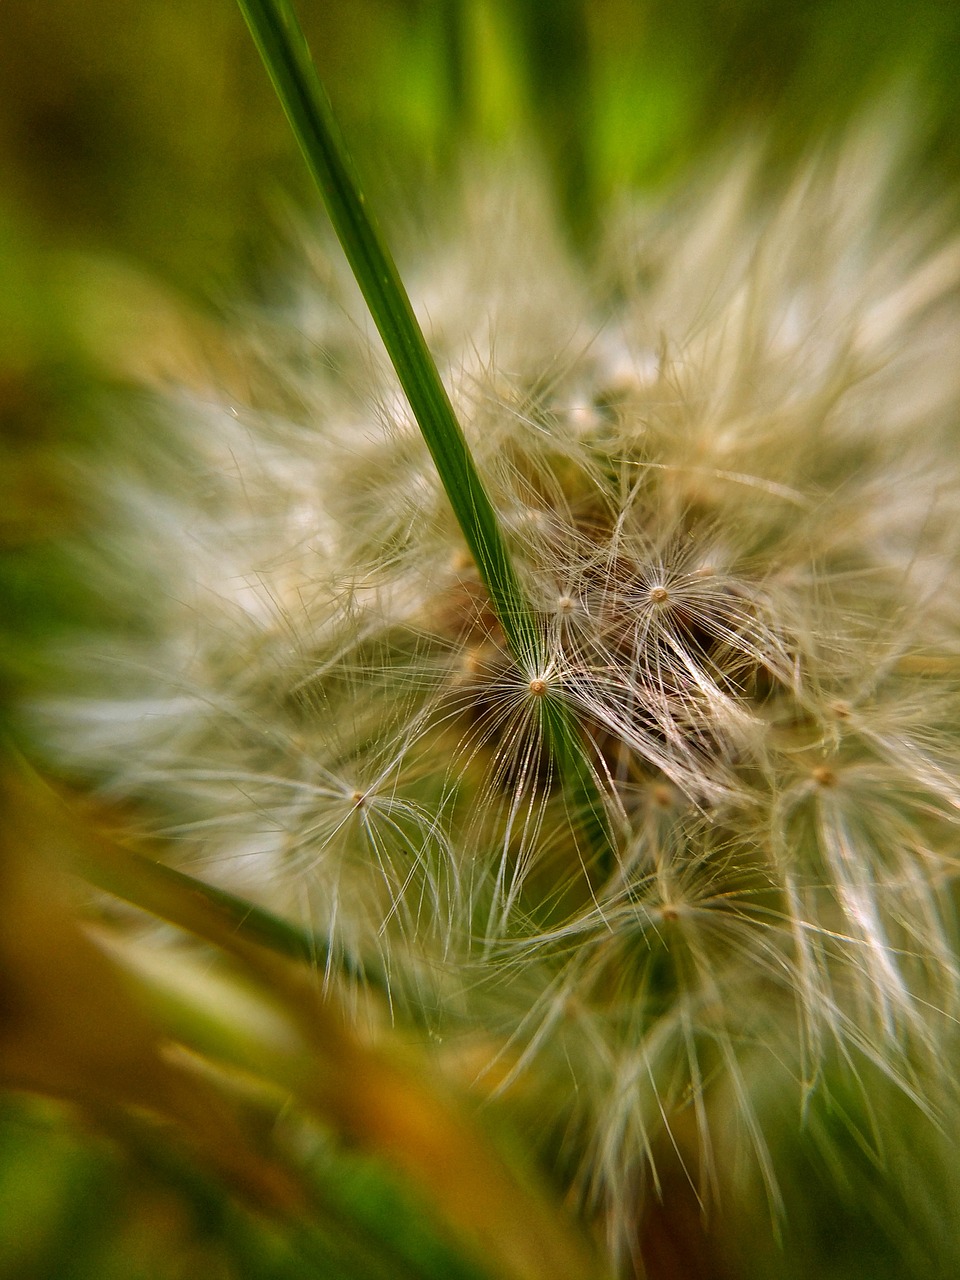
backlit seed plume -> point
(727, 467)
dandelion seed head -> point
(730, 495)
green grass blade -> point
(287, 58)
(283, 48)
(184, 900)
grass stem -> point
(283, 48)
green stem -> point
(283, 48)
(284, 51)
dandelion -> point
(731, 500)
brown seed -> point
(662, 796)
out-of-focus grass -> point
(247, 1090)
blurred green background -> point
(149, 129)
(147, 172)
